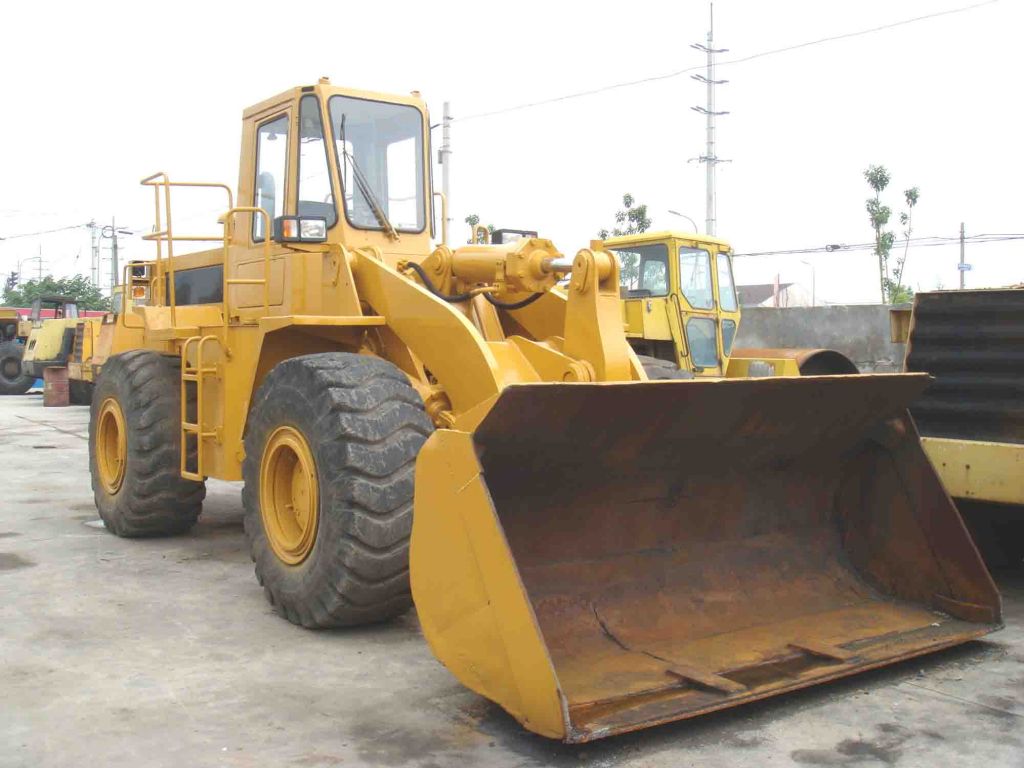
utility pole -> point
(113, 254)
(110, 232)
(94, 243)
(963, 264)
(710, 158)
(445, 159)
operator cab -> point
(62, 307)
(320, 166)
(338, 165)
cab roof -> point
(667, 234)
(325, 88)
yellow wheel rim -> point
(111, 446)
(289, 497)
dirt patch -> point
(9, 561)
(885, 748)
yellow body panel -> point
(978, 470)
(45, 344)
(747, 367)
(80, 362)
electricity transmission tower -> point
(710, 158)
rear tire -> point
(13, 379)
(662, 370)
(80, 392)
(135, 448)
(330, 452)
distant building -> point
(773, 295)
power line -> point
(916, 242)
(858, 33)
(44, 231)
(741, 60)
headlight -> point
(300, 229)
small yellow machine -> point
(682, 313)
(12, 346)
(970, 418)
(592, 550)
(59, 342)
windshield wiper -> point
(365, 188)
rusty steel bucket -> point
(599, 558)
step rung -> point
(193, 429)
(194, 374)
(192, 476)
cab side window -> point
(643, 270)
(271, 167)
(726, 288)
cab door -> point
(698, 310)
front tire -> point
(13, 379)
(330, 452)
(662, 370)
(135, 448)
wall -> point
(861, 332)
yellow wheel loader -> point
(970, 417)
(594, 551)
(59, 342)
(682, 313)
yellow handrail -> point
(166, 235)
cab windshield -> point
(380, 162)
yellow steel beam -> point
(973, 469)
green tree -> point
(891, 288)
(878, 179)
(78, 287)
(902, 294)
(631, 220)
(473, 220)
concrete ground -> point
(165, 653)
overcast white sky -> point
(99, 94)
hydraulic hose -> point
(429, 285)
(513, 304)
